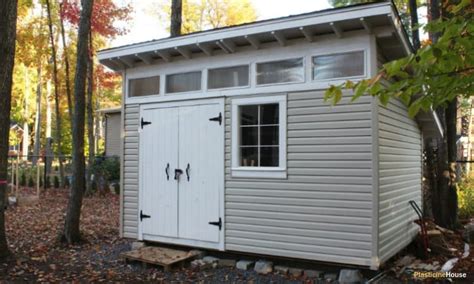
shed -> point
(111, 129)
(228, 143)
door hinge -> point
(143, 123)
(218, 223)
(217, 118)
(143, 216)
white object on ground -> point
(466, 250)
(449, 264)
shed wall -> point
(400, 173)
(112, 135)
(323, 210)
(130, 171)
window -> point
(183, 82)
(283, 71)
(144, 86)
(228, 77)
(338, 65)
(259, 137)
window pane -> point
(280, 71)
(269, 135)
(228, 77)
(338, 65)
(248, 115)
(249, 156)
(249, 136)
(269, 114)
(144, 86)
(269, 157)
(184, 82)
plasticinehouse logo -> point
(439, 275)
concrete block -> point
(227, 262)
(309, 273)
(210, 259)
(350, 276)
(295, 272)
(281, 269)
(138, 245)
(263, 267)
(244, 264)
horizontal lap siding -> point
(323, 210)
(130, 179)
(399, 177)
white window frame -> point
(259, 172)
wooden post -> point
(13, 172)
(17, 175)
(38, 179)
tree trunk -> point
(8, 14)
(176, 17)
(90, 117)
(66, 63)
(452, 198)
(37, 146)
(71, 232)
(26, 114)
(56, 95)
(49, 139)
(414, 23)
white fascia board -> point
(294, 22)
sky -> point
(144, 27)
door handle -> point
(177, 173)
(187, 171)
(167, 171)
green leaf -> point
(414, 108)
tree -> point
(71, 233)
(8, 15)
(431, 78)
(56, 92)
(198, 15)
(176, 15)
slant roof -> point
(380, 18)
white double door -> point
(182, 173)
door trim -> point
(221, 175)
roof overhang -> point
(430, 124)
(109, 110)
(380, 19)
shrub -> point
(31, 182)
(23, 179)
(466, 198)
(105, 170)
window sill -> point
(254, 172)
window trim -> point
(259, 172)
(364, 75)
(228, 88)
(255, 75)
(201, 88)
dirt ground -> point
(32, 231)
(33, 227)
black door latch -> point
(217, 118)
(177, 173)
(143, 123)
(143, 216)
(218, 223)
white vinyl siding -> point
(400, 176)
(130, 174)
(323, 210)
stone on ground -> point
(295, 272)
(198, 253)
(210, 259)
(137, 245)
(330, 277)
(350, 276)
(281, 269)
(263, 267)
(309, 273)
(244, 264)
(226, 262)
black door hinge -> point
(217, 118)
(218, 223)
(143, 123)
(143, 216)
